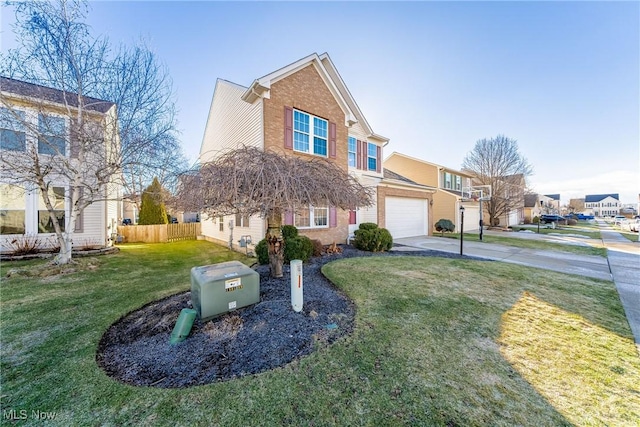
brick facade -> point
(384, 192)
(305, 90)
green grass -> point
(590, 231)
(597, 249)
(437, 342)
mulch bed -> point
(136, 349)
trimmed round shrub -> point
(572, 222)
(444, 225)
(535, 220)
(289, 232)
(368, 226)
(372, 239)
(299, 247)
(262, 252)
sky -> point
(561, 78)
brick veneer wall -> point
(306, 91)
(384, 192)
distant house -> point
(305, 109)
(449, 184)
(532, 207)
(552, 203)
(602, 204)
(22, 208)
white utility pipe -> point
(296, 285)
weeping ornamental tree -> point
(498, 163)
(56, 49)
(250, 181)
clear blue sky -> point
(434, 77)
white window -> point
(447, 180)
(242, 220)
(52, 139)
(352, 152)
(312, 217)
(12, 131)
(310, 134)
(57, 199)
(372, 157)
(12, 209)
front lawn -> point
(437, 342)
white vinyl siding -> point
(232, 122)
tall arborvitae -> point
(152, 210)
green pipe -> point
(183, 325)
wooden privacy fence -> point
(161, 233)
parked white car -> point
(634, 224)
(618, 219)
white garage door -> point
(471, 218)
(406, 217)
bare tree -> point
(110, 147)
(251, 181)
(498, 163)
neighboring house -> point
(602, 204)
(532, 207)
(305, 109)
(22, 209)
(552, 203)
(449, 185)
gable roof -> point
(56, 96)
(455, 171)
(327, 71)
(553, 196)
(594, 198)
(530, 200)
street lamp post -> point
(539, 216)
(461, 227)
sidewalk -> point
(622, 264)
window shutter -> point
(332, 140)
(288, 128)
(79, 228)
(333, 216)
(288, 217)
(379, 160)
(365, 156)
(352, 217)
(74, 140)
(359, 154)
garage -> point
(406, 217)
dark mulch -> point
(136, 349)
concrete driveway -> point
(584, 265)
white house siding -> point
(231, 122)
(211, 230)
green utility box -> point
(219, 288)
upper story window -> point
(447, 180)
(52, 139)
(310, 134)
(12, 132)
(372, 157)
(353, 149)
(458, 183)
(242, 220)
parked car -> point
(545, 219)
(631, 224)
(617, 220)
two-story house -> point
(36, 119)
(449, 185)
(305, 109)
(602, 204)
